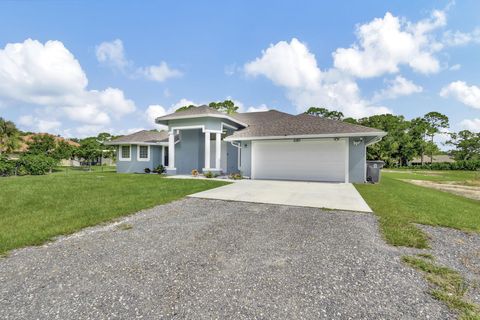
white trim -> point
(172, 129)
(120, 158)
(138, 152)
(218, 149)
(171, 151)
(365, 165)
(207, 150)
(310, 136)
(252, 162)
(347, 162)
(228, 126)
(206, 115)
(163, 156)
(375, 140)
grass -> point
(450, 287)
(35, 209)
(400, 204)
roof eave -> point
(310, 136)
(164, 120)
(123, 143)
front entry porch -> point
(201, 150)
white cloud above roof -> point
(461, 91)
(112, 54)
(399, 86)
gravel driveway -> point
(198, 258)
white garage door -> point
(310, 160)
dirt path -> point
(461, 190)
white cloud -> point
(181, 103)
(468, 95)
(386, 43)
(159, 73)
(112, 54)
(471, 124)
(459, 38)
(49, 75)
(289, 65)
(294, 67)
(152, 113)
(260, 108)
(39, 125)
(455, 67)
(396, 88)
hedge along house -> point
(260, 145)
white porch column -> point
(171, 150)
(218, 148)
(207, 150)
(163, 156)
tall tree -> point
(325, 113)
(435, 121)
(43, 144)
(226, 106)
(9, 136)
(467, 145)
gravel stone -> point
(460, 251)
(212, 259)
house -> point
(260, 145)
(438, 158)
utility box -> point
(373, 170)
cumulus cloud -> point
(153, 112)
(461, 91)
(38, 124)
(459, 38)
(260, 108)
(49, 75)
(386, 43)
(293, 67)
(471, 124)
(397, 87)
(159, 73)
(112, 54)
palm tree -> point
(9, 136)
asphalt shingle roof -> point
(302, 124)
(144, 136)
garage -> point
(300, 159)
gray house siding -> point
(356, 160)
(135, 166)
(190, 151)
(246, 158)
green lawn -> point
(400, 204)
(34, 209)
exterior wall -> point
(246, 158)
(213, 124)
(135, 166)
(232, 158)
(190, 151)
(356, 159)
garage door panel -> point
(311, 160)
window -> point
(125, 153)
(143, 153)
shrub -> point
(471, 165)
(36, 164)
(7, 167)
(147, 170)
(209, 174)
(194, 172)
(160, 169)
(236, 176)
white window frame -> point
(120, 153)
(138, 152)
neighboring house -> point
(260, 145)
(436, 159)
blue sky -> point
(77, 68)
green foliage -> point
(160, 169)
(469, 165)
(209, 174)
(7, 167)
(9, 136)
(147, 170)
(46, 144)
(90, 149)
(467, 145)
(36, 164)
(226, 106)
(325, 113)
(185, 108)
(236, 176)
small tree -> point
(89, 150)
(325, 113)
(226, 106)
(467, 145)
(9, 136)
(435, 121)
(185, 108)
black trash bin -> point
(373, 170)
